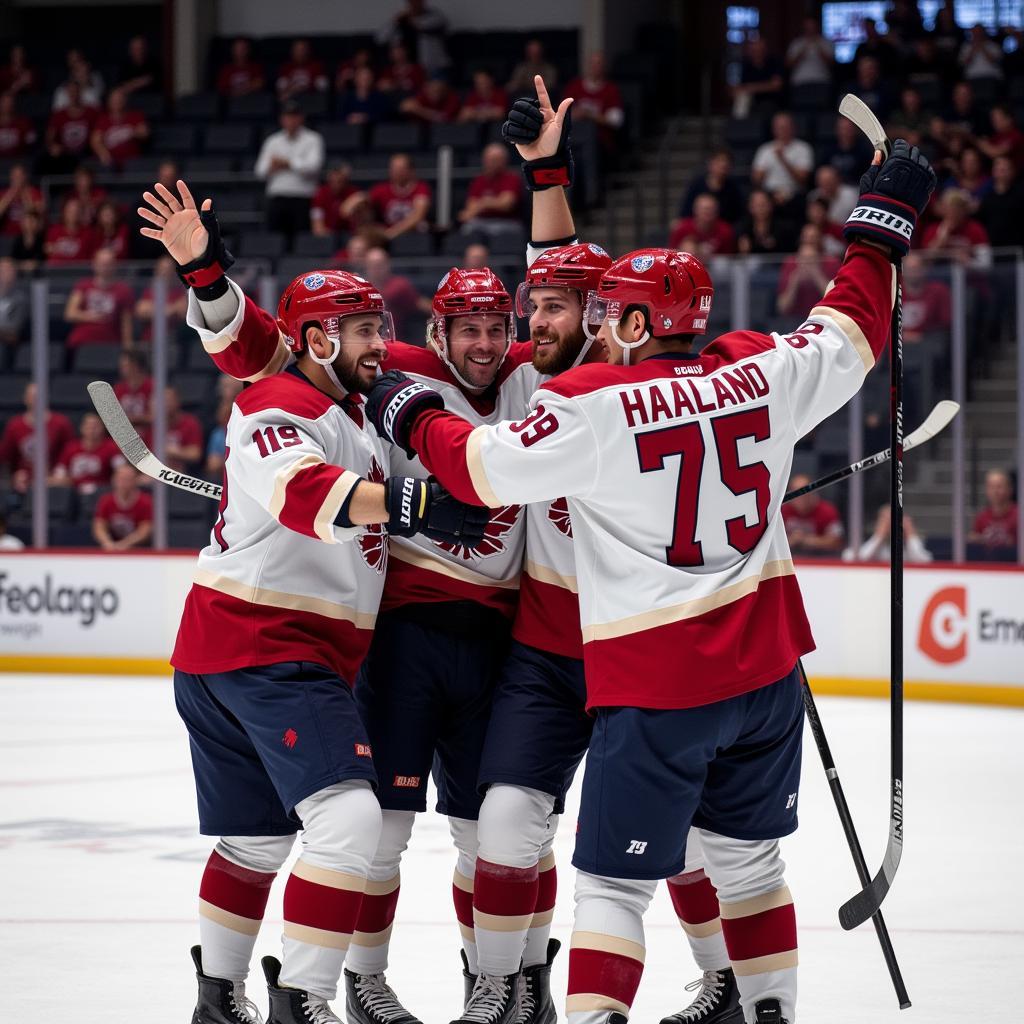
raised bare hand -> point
(547, 142)
(176, 222)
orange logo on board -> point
(943, 633)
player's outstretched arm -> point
(242, 339)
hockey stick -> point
(865, 904)
(936, 421)
(134, 449)
(839, 797)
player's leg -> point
(749, 802)
(695, 901)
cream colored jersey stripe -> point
(323, 524)
(477, 473)
(284, 477)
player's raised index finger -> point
(186, 195)
(542, 94)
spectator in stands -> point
(879, 46)
(1002, 210)
(485, 102)
(926, 303)
(805, 276)
(904, 21)
(86, 462)
(598, 99)
(995, 525)
(88, 81)
(402, 202)
(140, 71)
(87, 192)
(476, 257)
(334, 201)
(290, 162)
(29, 249)
(840, 197)
(16, 76)
(18, 441)
(353, 256)
(436, 101)
(963, 117)
(971, 177)
(8, 542)
(948, 35)
(17, 134)
(184, 447)
(705, 234)
(851, 152)
(363, 102)
(177, 300)
(70, 128)
(495, 198)
(832, 241)
(344, 77)
(134, 388)
(13, 303)
(876, 548)
(715, 181)
(871, 86)
(301, 74)
(119, 133)
(761, 81)
(123, 517)
(925, 68)
(533, 63)
(1006, 138)
(20, 197)
(400, 295)
(228, 389)
(810, 58)
(957, 235)
(813, 525)
(72, 240)
(763, 229)
(783, 166)
(423, 31)
(981, 57)
(241, 75)
(99, 308)
(1013, 61)
(111, 231)
(402, 75)
(910, 116)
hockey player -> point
(278, 621)
(674, 465)
(426, 685)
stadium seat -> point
(146, 166)
(342, 138)
(289, 267)
(397, 137)
(413, 243)
(99, 360)
(150, 104)
(809, 97)
(314, 104)
(60, 503)
(196, 359)
(188, 534)
(33, 105)
(174, 139)
(71, 535)
(58, 355)
(465, 136)
(257, 106)
(12, 390)
(749, 132)
(194, 389)
(507, 243)
(68, 392)
(200, 106)
(315, 246)
(261, 245)
(185, 505)
(216, 164)
(228, 138)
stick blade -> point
(120, 428)
(862, 907)
(854, 108)
(937, 420)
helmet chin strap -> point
(441, 348)
(327, 362)
(627, 346)
(586, 347)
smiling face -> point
(556, 329)
(362, 351)
(476, 345)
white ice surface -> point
(100, 862)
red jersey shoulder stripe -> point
(287, 392)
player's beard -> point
(560, 354)
(353, 377)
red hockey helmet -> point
(672, 286)
(324, 297)
(577, 267)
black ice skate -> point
(717, 1002)
(494, 1000)
(768, 1011)
(535, 1003)
(221, 1001)
(468, 979)
(369, 999)
(292, 1005)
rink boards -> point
(964, 626)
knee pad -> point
(516, 826)
(612, 906)
(741, 869)
(464, 834)
(257, 853)
(396, 828)
(341, 827)
(694, 853)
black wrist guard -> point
(205, 274)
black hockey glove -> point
(205, 275)
(522, 127)
(424, 506)
(893, 195)
(394, 404)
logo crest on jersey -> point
(501, 522)
(312, 282)
(558, 514)
(641, 263)
(596, 249)
(373, 541)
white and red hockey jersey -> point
(675, 470)
(278, 580)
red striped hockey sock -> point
(462, 897)
(696, 904)
(760, 934)
(368, 951)
(232, 901)
(604, 974)
(536, 951)
(504, 900)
